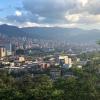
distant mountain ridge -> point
(11, 31)
(52, 33)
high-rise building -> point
(2, 52)
(65, 61)
(8, 47)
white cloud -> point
(73, 17)
(1, 23)
(18, 13)
(83, 18)
(29, 24)
(83, 2)
(41, 18)
(93, 18)
(32, 24)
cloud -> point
(30, 24)
(73, 17)
(50, 9)
(89, 19)
(83, 2)
(24, 16)
(18, 13)
(41, 18)
(83, 18)
(56, 13)
(93, 7)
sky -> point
(83, 14)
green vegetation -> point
(81, 87)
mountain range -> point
(51, 33)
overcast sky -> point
(50, 13)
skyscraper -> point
(2, 51)
(8, 47)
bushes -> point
(43, 88)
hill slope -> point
(69, 34)
(11, 31)
(54, 33)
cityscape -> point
(50, 50)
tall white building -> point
(65, 61)
(2, 52)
